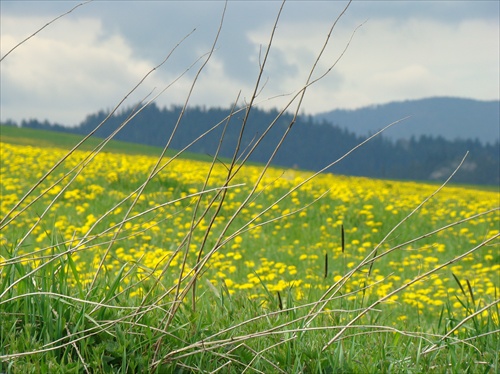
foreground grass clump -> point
(200, 271)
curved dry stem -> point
(40, 29)
(406, 285)
(462, 322)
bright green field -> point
(191, 276)
(44, 138)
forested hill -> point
(449, 117)
(310, 145)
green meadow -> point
(114, 261)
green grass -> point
(46, 138)
(54, 319)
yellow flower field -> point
(282, 239)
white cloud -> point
(67, 72)
(389, 60)
(411, 78)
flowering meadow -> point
(271, 238)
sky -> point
(381, 51)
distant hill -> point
(447, 117)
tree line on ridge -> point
(310, 145)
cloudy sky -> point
(91, 58)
